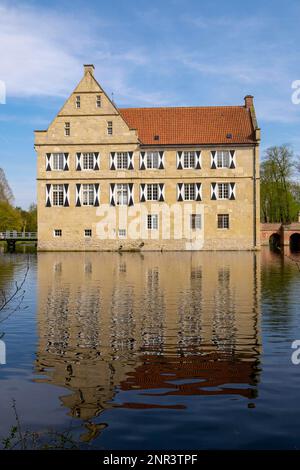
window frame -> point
(152, 190)
(77, 101)
(109, 128)
(67, 129)
(193, 221)
(83, 156)
(57, 195)
(187, 155)
(57, 232)
(221, 154)
(87, 191)
(187, 187)
(123, 158)
(223, 217)
(151, 225)
(122, 194)
(98, 101)
(123, 234)
(150, 155)
(62, 161)
(88, 233)
(221, 190)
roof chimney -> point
(248, 101)
(89, 68)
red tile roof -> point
(191, 125)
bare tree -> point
(6, 193)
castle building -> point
(137, 179)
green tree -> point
(278, 201)
(10, 218)
(29, 218)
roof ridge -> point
(182, 107)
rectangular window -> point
(195, 221)
(152, 192)
(88, 232)
(67, 129)
(122, 194)
(152, 221)
(58, 161)
(57, 232)
(122, 160)
(223, 190)
(58, 195)
(223, 221)
(122, 232)
(98, 101)
(189, 191)
(223, 159)
(88, 161)
(152, 160)
(87, 194)
(109, 127)
(77, 101)
(188, 159)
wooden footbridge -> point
(12, 237)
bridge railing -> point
(14, 235)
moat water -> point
(153, 351)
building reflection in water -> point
(168, 324)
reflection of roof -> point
(193, 375)
(191, 125)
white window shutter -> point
(130, 161)
(96, 161)
(213, 155)
(232, 164)
(161, 160)
(48, 162)
(143, 161)
(198, 192)
(143, 188)
(113, 160)
(213, 191)
(112, 194)
(161, 192)
(66, 195)
(130, 194)
(78, 161)
(66, 162)
(48, 195)
(96, 194)
(180, 191)
(179, 160)
(232, 191)
(198, 160)
(78, 195)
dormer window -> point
(98, 101)
(77, 101)
(109, 127)
(67, 129)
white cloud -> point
(42, 54)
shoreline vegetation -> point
(11, 217)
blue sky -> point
(148, 53)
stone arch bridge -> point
(277, 235)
